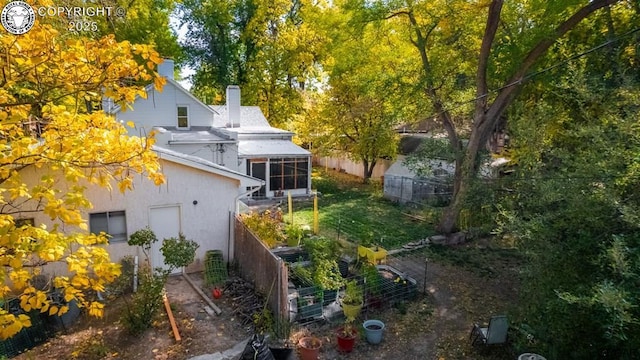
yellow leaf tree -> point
(50, 85)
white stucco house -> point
(232, 135)
(211, 156)
(198, 199)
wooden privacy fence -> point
(260, 266)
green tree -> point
(485, 51)
(365, 97)
(575, 209)
(267, 48)
(46, 127)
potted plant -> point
(294, 234)
(352, 300)
(309, 347)
(279, 343)
(347, 336)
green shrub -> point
(145, 303)
(265, 227)
(324, 253)
(178, 252)
(123, 283)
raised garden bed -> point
(309, 303)
(390, 287)
(291, 254)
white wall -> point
(160, 109)
(207, 151)
(207, 223)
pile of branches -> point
(247, 303)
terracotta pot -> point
(309, 348)
(346, 339)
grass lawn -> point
(351, 210)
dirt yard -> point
(435, 326)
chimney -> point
(165, 68)
(233, 106)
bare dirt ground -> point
(435, 326)
(105, 338)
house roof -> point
(399, 169)
(283, 148)
(196, 135)
(250, 117)
(252, 122)
(149, 88)
(205, 165)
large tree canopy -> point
(267, 48)
(575, 213)
(487, 50)
(367, 94)
(50, 82)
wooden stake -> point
(174, 327)
(202, 295)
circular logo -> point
(18, 17)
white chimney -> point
(233, 105)
(165, 68)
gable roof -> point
(250, 117)
(205, 165)
(150, 88)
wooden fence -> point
(260, 266)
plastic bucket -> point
(373, 330)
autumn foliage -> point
(51, 82)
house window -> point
(183, 117)
(113, 223)
(289, 173)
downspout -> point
(232, 216)
(237, 198)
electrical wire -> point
(536, 73)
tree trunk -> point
(365, 173)
(368, 167)
(466, 170)
(487, 116)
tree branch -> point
(493, 20)
(509, 90)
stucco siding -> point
(228, 159)
(160, 109)
(206, 222)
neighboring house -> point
(403, 184)
(234, 136)
(197, 200)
